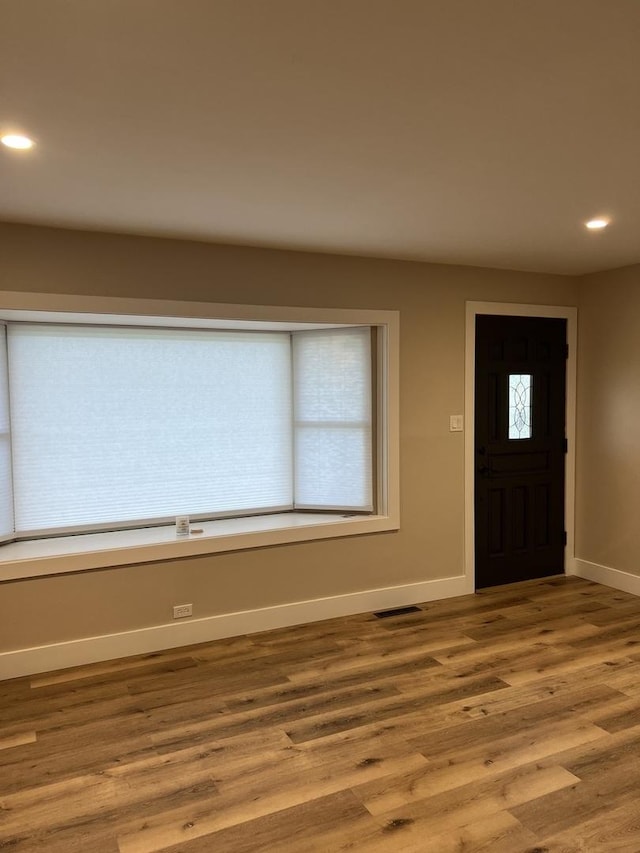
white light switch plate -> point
(456, 423)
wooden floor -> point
(504, 722)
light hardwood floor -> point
(507, 722)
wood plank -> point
(115, 670)
(388, 709)
(285, 714)
(498, 833)
(607, 769)
(478, 763)
(246, 798)
(9, 741)
(613, 830)
(482, 732)
(326, 823)
(447, 811)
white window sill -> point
(42, 557)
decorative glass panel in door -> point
(520, 391)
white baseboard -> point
(30, 661)
(605, 575)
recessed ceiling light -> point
(596, 224)
(16, 140)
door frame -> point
(517, 310)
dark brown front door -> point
(519, 448)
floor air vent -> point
(399, 611)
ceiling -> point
(479, 132)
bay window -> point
(117, 426)
(265, 425)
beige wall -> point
(608, 445)
(431, 301)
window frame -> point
(125, 547)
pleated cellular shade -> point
(6, 481)
(333, 416)
(114, 426)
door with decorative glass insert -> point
(520, 447)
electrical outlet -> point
(182, 610)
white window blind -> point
(111, 426)
(332, 415)
(6, 484)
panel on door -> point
(520, 447)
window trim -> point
(125, 547)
